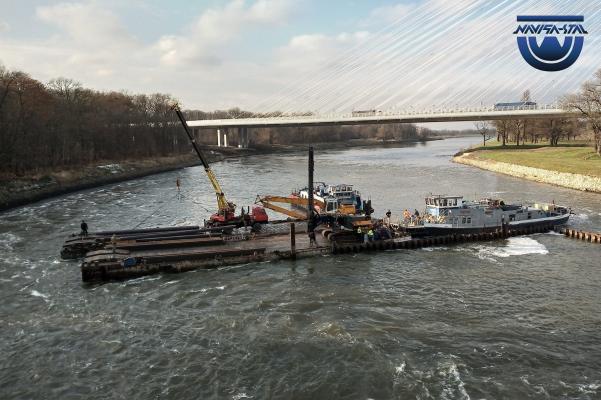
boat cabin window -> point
(443, 202)
(529, 215)
(512, 217)
(469, 220)
(463, 220)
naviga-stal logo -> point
(550, 54)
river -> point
(516, 318)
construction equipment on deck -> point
(332, 208)
(268, 202)
(226, 210)
(348, 221)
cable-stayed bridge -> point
(391, 117)
(379, 117)
(432, 63)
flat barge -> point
(116, 262)
(121, 259)
(77, 245)
(344, 228)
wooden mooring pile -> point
(587, 236)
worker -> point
(84, 228)
(416, 213)
(370, 235)
(388, 215)
(360, 232)
(384, 233)
(114, 243)
(178, 184)
(406, 215)
(312, 241)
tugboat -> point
(452, 214)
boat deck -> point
(127, 259)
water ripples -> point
(503, 319)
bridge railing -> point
(405, 112)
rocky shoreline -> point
(19, 191)
(584, 183)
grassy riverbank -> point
(569, 165)
(575, 160)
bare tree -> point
(526, 97)
(502, 127)
(517, 125)
(483, 128)
(65, 88)
(588, 103)
(555, 129)
(64, 125)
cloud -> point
(86, 24)
(218, 26)
(89, 39)
(90, 43)
(430, 52)
(440, 54)
(308, 51)
(387, 14)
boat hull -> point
(433, 230)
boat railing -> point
(415, 220)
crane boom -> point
(223, 205)
(268, 202)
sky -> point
(293, 55)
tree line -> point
(61, 124)
(586, 103)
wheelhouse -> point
(344, 193)
(439, 205)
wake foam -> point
(8, 240)
(35, 293)
(516, 246)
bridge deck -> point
(385, 118)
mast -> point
(223, 205)
(310, 208)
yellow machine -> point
(225, 209)
(329, 209)
(268, 202)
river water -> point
(517, 318)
